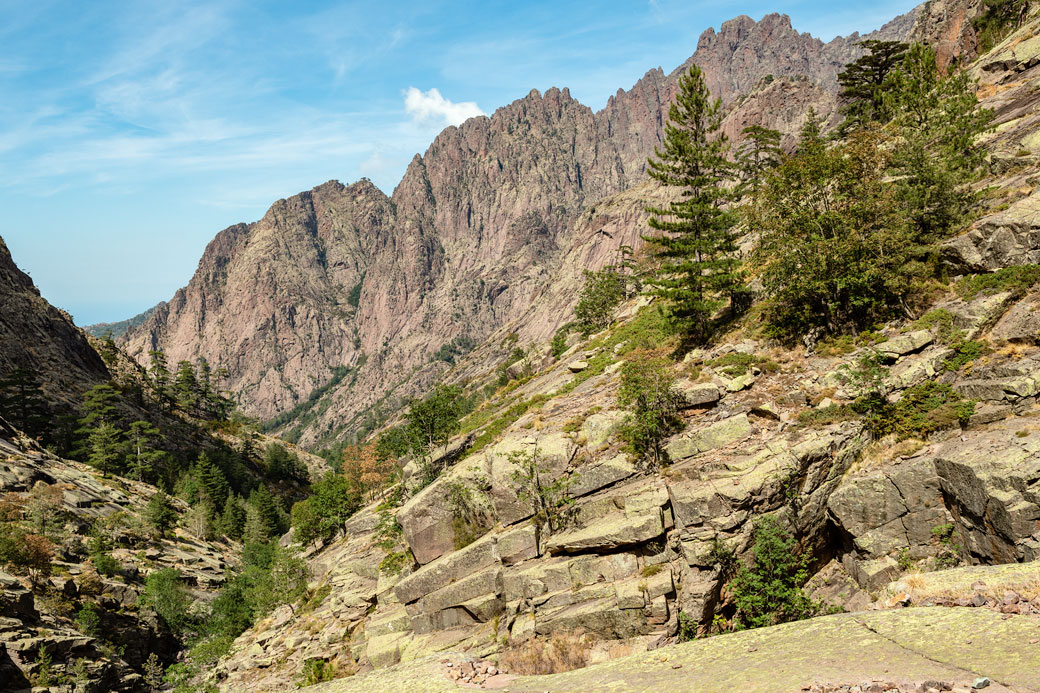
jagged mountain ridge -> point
(346, 277)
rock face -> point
(37, 336)
(496, 210)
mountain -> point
(119, 328)
(486, 591)
(36, 336)
(346, 294)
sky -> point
(132, 132)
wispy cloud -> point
(427, 106)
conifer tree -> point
(144, 457)
(186, 388)
(160, 374)
(160, 512)
(212, 480)
(22, 402)
(863, 82)
(265, 521)
(938, 121)
(233, 518)
(697, 245)
(759, 152)
(105, 448)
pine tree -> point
(160, 374)
(212, 480)
(186, 388)
(266, 520)
(22, 402)
(99, 405)
(144, 458)
(105, 448)
(863, 82)
(759, 152)
(233, 518)
(938, 122)
(160, 512)
(697, 245)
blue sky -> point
(132, 132)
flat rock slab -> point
(949, 644)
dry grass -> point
(559, 652)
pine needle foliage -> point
(697, 244)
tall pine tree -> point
(863, 83)
(699, 269)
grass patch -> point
(736, 364)
(538, 656)
(1018, 280)
(840, 345)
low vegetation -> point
(559, 652)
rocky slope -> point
(495, 221)
(40, 639)
(641, 547)
(35, 335)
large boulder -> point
(716, 435)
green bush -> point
(997, 19)
(331, 503)
(88, 619)
(167, 595)
(769, 590)
(602, 292)
(647, 391)
(558, 345)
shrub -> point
(965, 352)
(28, 554)
(105, 565)
(925, 409)
(601, 293)
(471, 518)
(167, 595)
(947, 554)
(548, 498)
(1017, 279)
(333, 500)
(996, 20)
(647, 392)
(88, 619)
(389, 537)
(160, 512)
(769, 590)
(558, 345)
(316, 671)
(564, 651)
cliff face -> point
(346, 277)
(37, 336)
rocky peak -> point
(344, 277)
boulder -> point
(447, 569)
(906, 344)
(716, 435)
(600, 474)
(1021, 323)
(1010, 237)
(698, 394)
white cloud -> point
(426, 106)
